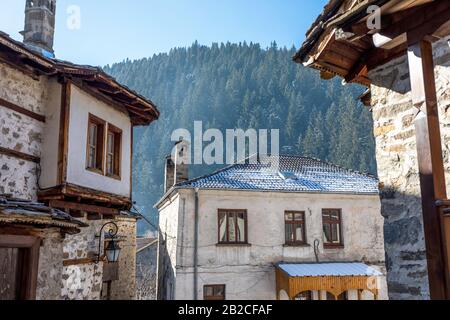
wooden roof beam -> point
(417, 22)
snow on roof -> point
(295, 174)
(328, 270)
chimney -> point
(40, 26)
(177, 165)
(170, 173)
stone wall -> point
(84, 281)
(146, 276)
(19, 132)
(125, 287)
(394, 116)
(50, 266)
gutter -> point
(196, 190)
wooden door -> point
(9, 271)
(19, 261)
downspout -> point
(196, 246)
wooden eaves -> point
(142, 111)
(340, 42)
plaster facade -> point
(248, 271)
(82, 104)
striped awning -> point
(334, 278)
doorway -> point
(19, 258)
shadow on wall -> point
(166, 276)
(406, 264)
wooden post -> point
(431, 167)
(359, 294)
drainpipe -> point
(196, 246)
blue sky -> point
(112, 30)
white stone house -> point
(311, 230)
(66, 141)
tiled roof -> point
(294, 174)
(328, 270)
(29, 212)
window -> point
(343, 296)
(332, 228)
(214, 292)
(113, 151)
(295, 228)
(96, 129)
(233, 227)
(99, 155)
(305, 296)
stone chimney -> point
(40, 26)
(177, 165)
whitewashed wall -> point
(248, 272)
(81, 105)
(170, 238)
(50, 144)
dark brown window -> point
(214, 292)
(294, 222)
(332, 228)
(233, 227)
(113, 151)
(96, 137)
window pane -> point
(231, 227)
(240, 232)
(209, 291)
(298, 217)
(288, 216)
(219, 291)
(289, 233)
(327, 233)
(334, 216)
(335, 233)
(222, 227)
(110, 164)
(92, 134)
(111, 143)
(92, 158)
(299, 232)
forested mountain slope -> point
(244, 86)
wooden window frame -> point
(117, 152)
(30, 247)
(327, 245)
(215, 298)
(100, 157)
(294, 222)
(226, 212)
